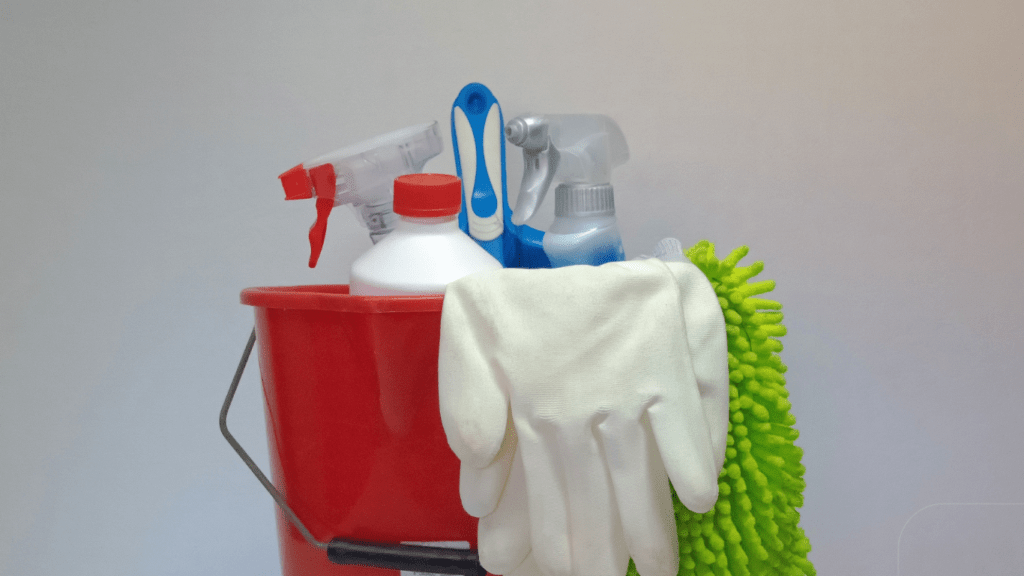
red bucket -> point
(357, 450)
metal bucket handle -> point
(428, 559)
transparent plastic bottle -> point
(427, 249)
(584, 230)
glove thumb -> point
(474, 407)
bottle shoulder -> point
(419, 262)
(585, 224)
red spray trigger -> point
(324, 182)
(297, 185)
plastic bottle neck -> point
(428, 220)
(424, 224)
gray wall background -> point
(870, 153)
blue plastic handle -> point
(478, 142)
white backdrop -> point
(870, 153)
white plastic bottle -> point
(426, 250)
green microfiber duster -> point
(753, 527)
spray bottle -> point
(361, 175)
(578, 151)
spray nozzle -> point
(579, 150)
(361, 175)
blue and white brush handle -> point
(479, 145)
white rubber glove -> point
(616, 380)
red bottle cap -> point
(427, 195)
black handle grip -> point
(430, 559)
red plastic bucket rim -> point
(335, 297)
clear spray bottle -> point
(578, 151)
(361, 175)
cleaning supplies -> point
(578, 151)
(362, 473)
(426, 250)
(361, 175)
(616, 395)
(754, 526)
(480, 161)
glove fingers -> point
(503, 537)
(642, 495)
(706, 339)
(595, 528)
(546, 498)
(481, 488)
(683, 440)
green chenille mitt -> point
(753, 528)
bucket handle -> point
(430, 559)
